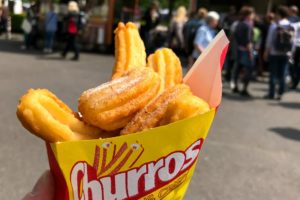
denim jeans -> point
(49, 39)
(244, 62)
(277, 68)
(295, 68)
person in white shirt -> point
(277, 51)
(295, 67)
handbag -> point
(26, 26)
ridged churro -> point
(184, 107)
(112, 105)
(46, 116)
(165, 62)
(172, 105)
(129, 49)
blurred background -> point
(253, 148)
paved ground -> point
(252, 152)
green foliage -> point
(28, 1)
(165, 3)
(182, 3)
(16, 22)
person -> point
(264, 27)
(244, 38)
(73, 25)
(176, 39)
(50, 28)
(7, 21)
(34, 21)
(190, 28)
(228, 20)
(257, 39)
(43, 189)
(27, 28)
(152, 19)
(202, 14)
(3, 21)
(278, 46)
(30, 28)
(295, 66)
(206, 33)
(227, 24)
(231, 58)
(293, 18)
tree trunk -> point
(171, 7)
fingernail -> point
(40, 183)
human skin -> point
(43, 189)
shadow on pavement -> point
(237, 97)
(290, 105)
(12, 46)
(260, 89)
(51, 57)
(290, 133)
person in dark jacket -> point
(264, 27)
(3, 21)
(73, 25)
(190, 28)
(244, 36)
(152, 19)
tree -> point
(166, 3)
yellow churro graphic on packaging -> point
(154, 164)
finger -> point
(43, 189)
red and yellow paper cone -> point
(155, 164)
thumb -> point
(43, 189)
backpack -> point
(189, 34)
(283, 40)
(72, 26)
(26, 26)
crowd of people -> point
(72, 24)
(258, 43)
(5, 23)
(264, 44)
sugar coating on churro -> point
(46, 116)
(112, 106)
